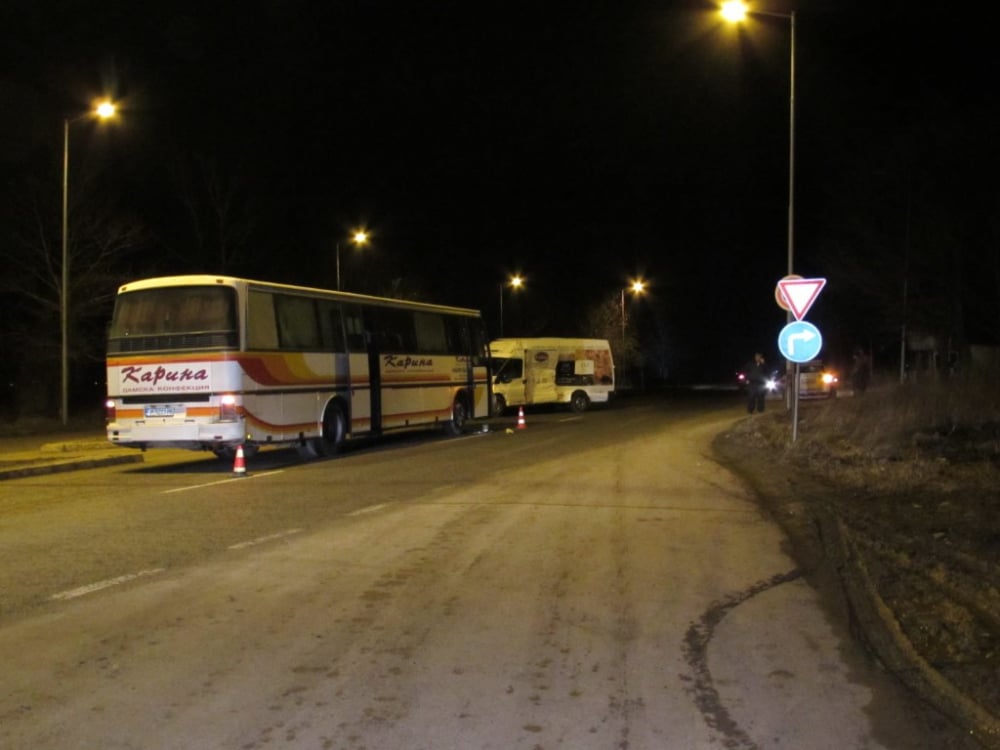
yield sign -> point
(800, 294)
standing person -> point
(756, 383)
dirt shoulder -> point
(910, 565)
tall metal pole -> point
(64, 287)
(338, 266)
(501, 310)
(791, 372)
(791, 152)
(623, 321)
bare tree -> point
(221, 219)
(609, 320)
(101, 241)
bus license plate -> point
(160, 410)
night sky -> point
(580, 144)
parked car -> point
(817, 380)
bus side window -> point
(297, 327)
(262, 330)
(430, 332)
(457, 333)
(480, 344)
(331, 325)
(393, 330)
(354, 327)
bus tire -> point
(499, 405)
(579, 401)
(459, 416)
(334, 430)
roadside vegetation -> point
(896, 492)
(898, 437)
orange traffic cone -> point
(239, 465)
(521, 424)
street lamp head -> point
(734, 11)
(516, 281)
(105, 109)
(638, 286)
(360, 237)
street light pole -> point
(359, 238)
(515, 283)
(104, 110)
(736, 11)
(623, 321)
(64, 286)
(636, 287)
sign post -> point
(799, 341)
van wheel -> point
(459, 416)
(579, 401)
(499, 405)
(334, 430)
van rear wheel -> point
(579, 401)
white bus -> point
(215, 362)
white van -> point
(577, 372)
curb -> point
(874, 623)
(57, 466)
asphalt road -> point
(593, 581)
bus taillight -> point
(110, 412)
(227, 408)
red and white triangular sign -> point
(800, 294)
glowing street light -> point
(515, 282)
(637, 287)
(103, 110)
(360, 239)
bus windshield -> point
(174, 317)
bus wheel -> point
(334, 429)
(459, 416)
(499, 405)
(579, 401)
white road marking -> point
(222, 481)
(369, 509)
(91, 588)
(262, 539)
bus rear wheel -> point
(334, 431)
(459, 416)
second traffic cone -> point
(239, 465)
(521, 424)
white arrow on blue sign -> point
(800, 341)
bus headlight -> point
(110, 410)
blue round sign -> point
(800, 341)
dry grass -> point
(943, 434)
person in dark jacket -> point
(756, 374)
